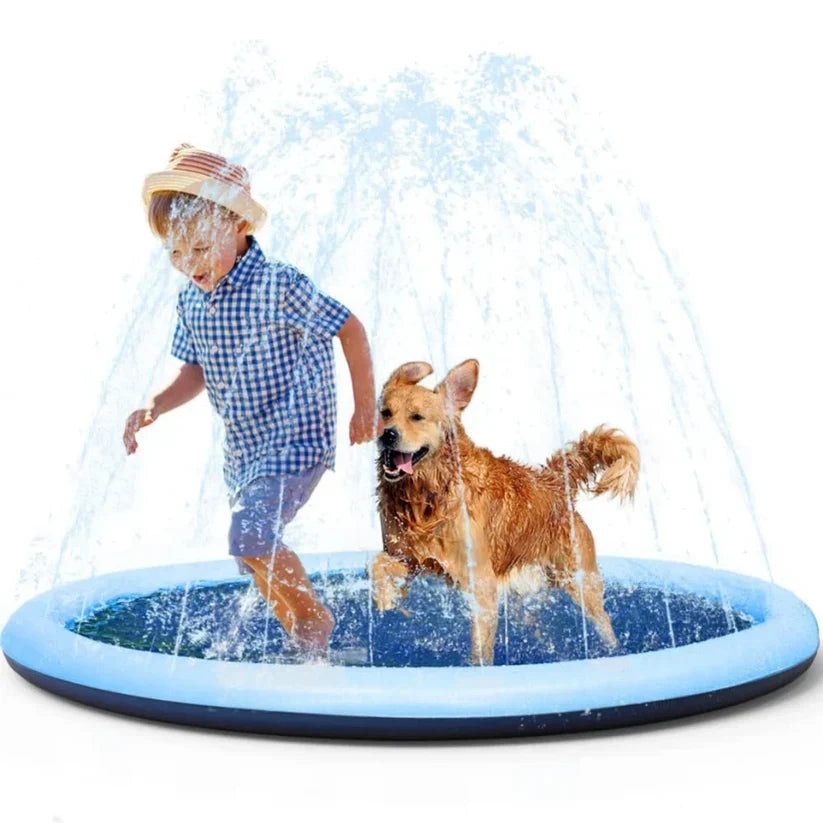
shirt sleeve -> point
(182, 346)
(309, 309)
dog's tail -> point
(606, 450)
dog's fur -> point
(452, 508)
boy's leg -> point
(271, 594)
(283, 582)
(258, 518)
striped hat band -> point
(210, 176)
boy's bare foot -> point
(312, 631)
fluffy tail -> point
(606, 450)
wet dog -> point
(452, 508)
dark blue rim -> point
(401, 728)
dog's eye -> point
(417, 417)
(385, 414)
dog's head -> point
(416, 420)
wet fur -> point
(518, 519)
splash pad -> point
(484, 216)
(147, 643)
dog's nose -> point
(389, 438)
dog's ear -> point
(459, 384)
(410, 373)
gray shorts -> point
(261, 510)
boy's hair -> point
(169, 209)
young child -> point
(258, 336)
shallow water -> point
(227, 621)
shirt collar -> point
(243, 268)
(240, 274)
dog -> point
(451, 508)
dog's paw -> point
(388, 578)
(608, 637)
(386, 595)
(482, 658)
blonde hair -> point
(173, 209)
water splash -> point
(482, 214)
(448, 211)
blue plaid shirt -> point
(264, 339)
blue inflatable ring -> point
(406, 702)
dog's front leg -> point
(484, 621)
(388, 576)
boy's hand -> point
(136, 420)
(362, 426)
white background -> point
(716, 113)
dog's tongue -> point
(403, 461)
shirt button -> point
(221, 385)
(213, 310)
(215, 349)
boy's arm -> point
(188, 383)
(365, 424)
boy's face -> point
(205, 250)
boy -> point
(258, 336)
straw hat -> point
(210, 176)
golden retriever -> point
(452, 508)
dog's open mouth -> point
(396, 464)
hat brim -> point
(234, 198)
